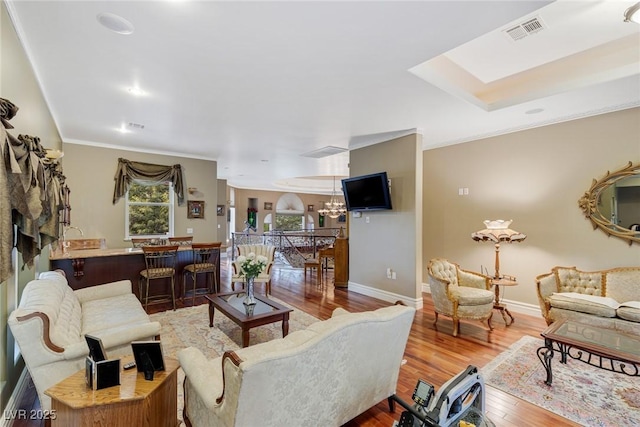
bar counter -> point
(90, 267)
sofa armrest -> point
(204, 375)
(107, 290)
(471, 279)
(546, 285)
(339, 312)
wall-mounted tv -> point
(367, 192)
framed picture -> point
(195, 209)
(342, 218)
(268, 206)
(220, 210)
(309, 208)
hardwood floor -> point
(433, 355)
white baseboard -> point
(515, 306)
(13, 403)
(416, 303)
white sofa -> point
(608, 298)
(51, 320)
(324, 375)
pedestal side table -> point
(499, 305)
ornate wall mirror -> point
(612, 204)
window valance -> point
(154, 174)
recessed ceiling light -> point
(115, 23)
(534, 111)
(136, 91)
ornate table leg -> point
(211, 309)
(78, 267)
(545, 354)
(285, 325)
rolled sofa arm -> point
(205, 375)
(546, 285)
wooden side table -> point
(497, 304)
(135, 402)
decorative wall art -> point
(220, 210)
(195, 209)
(268, 206)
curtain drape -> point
(154, 174)
(30, 194)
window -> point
(149, 210)
(288, 222)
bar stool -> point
(181, 241)
(161, 264)
(205, 261)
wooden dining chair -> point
(205, 261)
(160, 263)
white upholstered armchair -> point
(265, 276)
(460, 294)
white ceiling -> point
(254, 85)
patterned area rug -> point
(585, 394)
(189, 327)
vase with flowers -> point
(250, 267)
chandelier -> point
(333, 208)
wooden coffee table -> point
(598, 346)
(264, 312)
(135, 402)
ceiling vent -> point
(329, 150)
(137, 126)
(525, 29)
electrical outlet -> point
(367, 219)
(389, 273)
(189, 230)
(393, 275)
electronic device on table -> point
(459, 399)
(100, 372)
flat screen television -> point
(367, 192)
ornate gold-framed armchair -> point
(460, 294)
(265, 276)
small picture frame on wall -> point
(342, 218)
(268, 206)
(220, 210)
(309, 208)
(195, 209)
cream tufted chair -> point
(264, 277)
(460, 294)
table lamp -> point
(498, 231)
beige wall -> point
(534, 177)
(18, 84)
(391, 239)
(90, 172)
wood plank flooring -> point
(432, 354)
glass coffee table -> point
(265, 311)
(598, 346)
